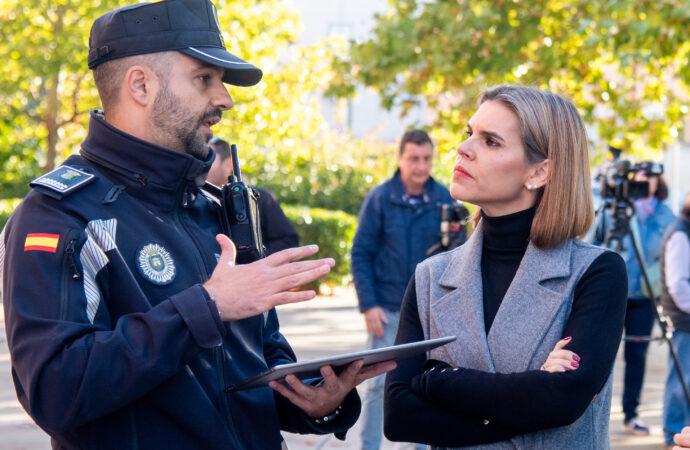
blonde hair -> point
(551, 128)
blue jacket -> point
(114, 342)
(392, 237)
(651, 231)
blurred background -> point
(344, 78)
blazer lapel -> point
(460, 310)
(528, 308)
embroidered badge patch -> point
(64, 179)
(155, 264)
(41, 241)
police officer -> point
(126, 316)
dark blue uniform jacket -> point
(114, 342)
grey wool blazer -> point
(528, 324)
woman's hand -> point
(561, 360)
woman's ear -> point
(540, 174)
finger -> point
(331, 381)
(284, 298)
(384, 319)
(298, 267)
(302, 278)
(302, 390)
(377, 328)
(349, 375)
(288, 393)
(563, 354)
(565, 363)
(374, 370)
(228, 251)
(291, 254)
(562, 343)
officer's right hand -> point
(246, 290)
(375, 318)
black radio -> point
(241, 209)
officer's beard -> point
(179, 127)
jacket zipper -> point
(112, 166)
(220, 362)
(69, 273)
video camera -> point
(454, 217)
(617, 182)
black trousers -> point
(639, 320)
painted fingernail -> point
(567, 338)
(576, 358)
(574, 364)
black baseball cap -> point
(188, 26)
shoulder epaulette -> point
(61, 182)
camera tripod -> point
(622, 212)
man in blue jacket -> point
(126, 315)
(398, 224)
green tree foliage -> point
(624, 63)
(43, 83)
(46, 91)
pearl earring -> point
(530, 187)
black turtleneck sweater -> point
(471, 407)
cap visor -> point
(237, 71)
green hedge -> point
(332, 231)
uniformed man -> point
(126, 316)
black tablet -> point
(310, 369)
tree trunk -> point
(51, 122)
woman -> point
(512, 292)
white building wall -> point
(353, 19)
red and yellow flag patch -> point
(41, 241)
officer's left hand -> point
(322, 400)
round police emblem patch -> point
(156, 264)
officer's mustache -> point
(213, 114)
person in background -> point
(398, 223)
(525, 298)
(276, 229)
(648, 225)
(126, 315)
(675, 300)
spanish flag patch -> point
(41, 241)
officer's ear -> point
(140, 84)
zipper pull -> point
(69, 250)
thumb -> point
(228, 252)
(562, 343)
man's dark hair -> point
(221, 147)
(418, 137)
(108, 76)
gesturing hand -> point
(318, 401)
(246, 290)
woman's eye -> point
(468, 133)
(491, 143)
